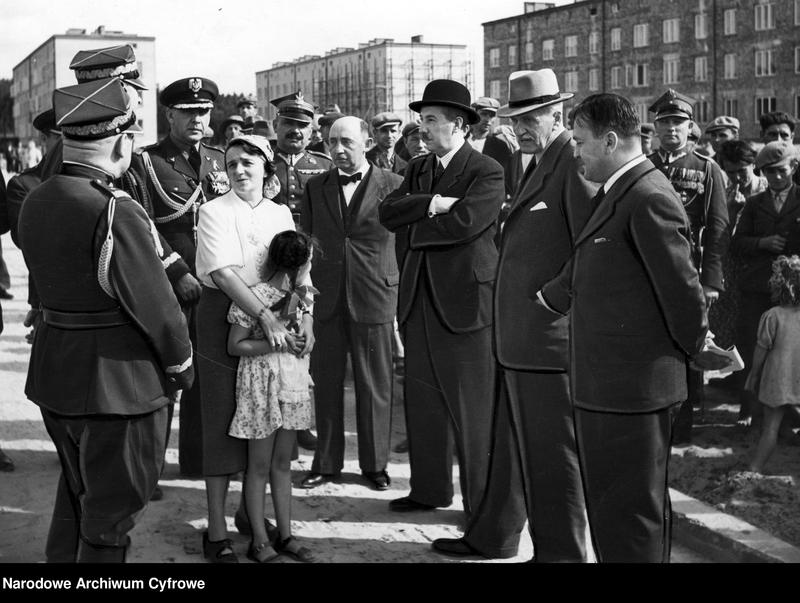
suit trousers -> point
(370, 348)
(109, 468)
(623, 459)
(449, 382)
(534, 474)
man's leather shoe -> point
(455, 547)
(312, 480)
(306, 439)
(405, 504)
(379, 479)
(157, 494)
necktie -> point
(437, 173)
(778, 200)
(194, 160)
(352, 178)
(598, 198)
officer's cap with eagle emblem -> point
(294, 106)
(190, 93)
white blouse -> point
(231, 233)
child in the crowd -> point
(272, 392)
(775, 374)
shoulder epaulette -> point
(212, 147)
(318, 154)
(700, 155)
(117, 193)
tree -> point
(6, 110)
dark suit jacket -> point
(498, 149)
(549, 210)
(358, 259)
(637, 305)
(398, 167)
(759, 219)
(456, 250)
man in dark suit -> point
(450, 199)
(534, 415)
(386, 128)
(357, 277)
(637, 313)
(114, 344)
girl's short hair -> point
(785, 280)
(288, 251)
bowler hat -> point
(530, 90)
(778, 152)
(447, 93)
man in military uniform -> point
(180, 172)
(113, 345)
(248, 111)
(386, 130)
(294, 163)
(646, 132)
(700, 184)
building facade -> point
(379, 75)
(47, 68)
(734, 57)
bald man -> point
(357, 277)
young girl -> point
(272, 392)
(775, 375)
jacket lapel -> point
(425, 174)
(361, 198)
(607, 206)
(179, 163)
(455, 168)
(791, 203)
(535, 180)
(330, 193)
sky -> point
(229, 41)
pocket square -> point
(538, 206)
(602, 240)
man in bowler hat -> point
(449, 200)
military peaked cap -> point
(45, 122)
(115, 61)
(96, 109)
(190, 93)
(673, 104)
(294, 106)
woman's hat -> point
(447, 93)
(530, 90)
(259, 142)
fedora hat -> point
(448, 93)
(529, 90)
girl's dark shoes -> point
(292, 548)
(219, 551)
(263, 553)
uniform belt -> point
(76, 321)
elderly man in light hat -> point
(497, 142)
(721, 129)
(700, 183)
(386, 129)
(448, 204)
(533, 422)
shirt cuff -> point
(546, 305)
(432, 206)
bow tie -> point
(351, 179)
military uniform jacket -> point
(358, 253)
(455, 251)
(700, 184)
(759, 219)
(637, 307)
(293, 172)
(550, 209)
(119, 370)
(171, 184)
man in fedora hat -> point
(449, 200)
(533, 422)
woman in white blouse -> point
(233, 236)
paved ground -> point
(343, 522)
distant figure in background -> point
(325, 123)
(647, 133)
(6, 463)
(722, 129)
(33, 154)
(386, 129)
(773, 375)
(248, 110)
(232, 127)
(487, 137)
(778, 126)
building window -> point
(641, 35)
(494, 57)
(764, 63)
(797, 59)
(512, 55)
(672, 63)
(594, 42)
(701, 111)
(729, 27)
(547, 50)
(494, 88)
(594, 80)
(700, 69)
(700, 31)
(529, 52)
(730, 68)
(571, 46)
(797, 12)
(796, 106)
(671, 31)
(731, 107)
(641, 77)
(765, 16)
(571, 81)
(764, 104)
(616, 38)
(641, 112)
(616, 78)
